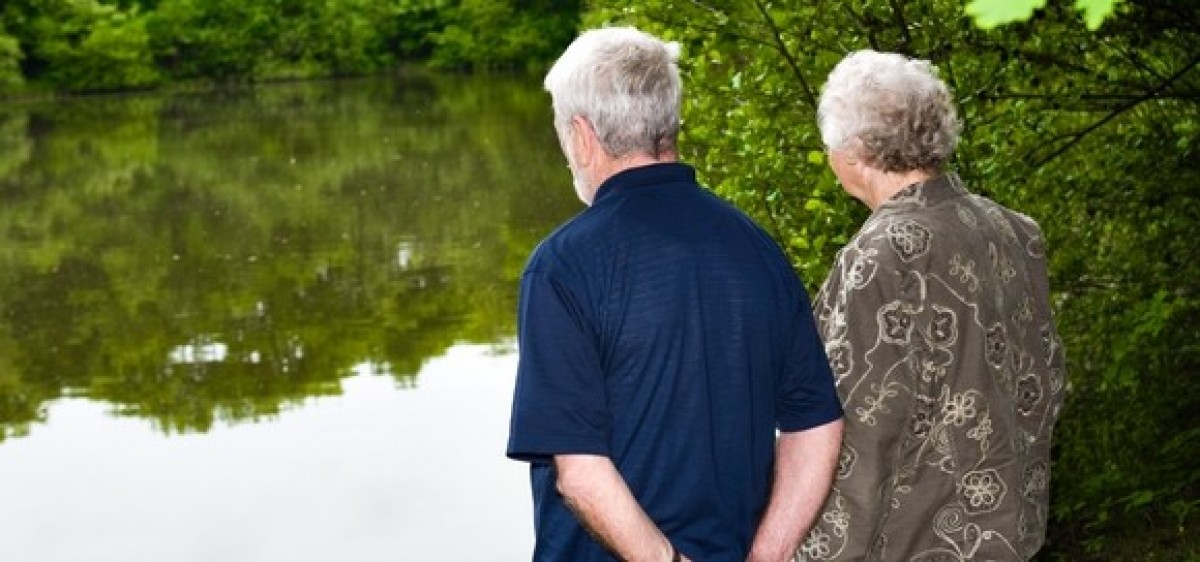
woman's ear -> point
(851, 149)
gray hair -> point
(625, 83)
(897, 107)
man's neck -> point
(612, 166)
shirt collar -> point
(650, 174)
(924, 194)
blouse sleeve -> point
(866, 314)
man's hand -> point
(604, 505)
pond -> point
(270, 323)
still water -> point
(269, 324)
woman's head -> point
(891, 111)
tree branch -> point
(991, 96)
(1078, 136)
(809, 96)
(713, 28)
(864, 25)
(898, 11)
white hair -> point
(625, 83)
(897, 107)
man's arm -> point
(604, 505)
(804, 466)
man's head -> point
(616, 95)
(890, 111)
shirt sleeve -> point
(559, 406)
(807, 395)
(866, 320)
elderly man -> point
(664, 339)
(936, 317)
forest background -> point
(1089, 127)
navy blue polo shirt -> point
(664, 329)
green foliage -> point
(1092, 133)
(1096, 11)
(89, 45)
(81, 45)
(504, 33)
(991, 13)
(232, 40)
(10, 61)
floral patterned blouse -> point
(936, 319)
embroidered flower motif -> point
(912, 194)
(909, 239)
(995, 345)
(983, 490)
(943, 329)
(1029, 393)
(838, 516)
(983, 430)
(964, 270)
(895, 323)
(949, 519)
(923, 416)
(846, 459)
(816, 547)
(959, 409)
(1049, 343)
(862, 269)
(1002, 265)
(876, 403)
(967, 217)
(841, 358)
(1036, 480)
(1002, 225)
(1024, 312)
(833, 323)
(1007, 271)
(928, 362)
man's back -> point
(688, 340)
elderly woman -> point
(936, 319)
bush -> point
(505, 34)
(10, 61)
(114, 54)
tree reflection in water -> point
(204, 257)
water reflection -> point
(335, 261)
(373, 475)
(221, 256)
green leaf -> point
(1095, 11)
(816, 157)
(991, 13)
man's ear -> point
(583, 136)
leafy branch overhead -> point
(992, 13)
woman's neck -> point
(881, 186)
